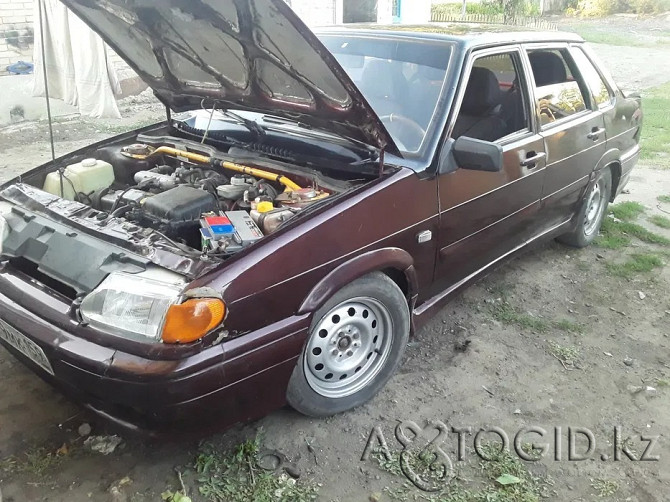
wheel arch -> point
(612, 160)
(396, 263)
(615, 167)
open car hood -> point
(243, 54)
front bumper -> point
(239, 380)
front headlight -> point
(132, 304)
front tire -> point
(592, 212)
(356, 342)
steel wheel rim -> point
(348, 347)
(593, 208)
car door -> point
(622, 115)
(485, 215)
(572, 127)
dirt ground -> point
(552, 339)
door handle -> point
(595, 133)
(533, 159)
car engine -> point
(201, 201)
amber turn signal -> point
(193, 319)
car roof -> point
(466, 35)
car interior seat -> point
(512, 109)
(382, 87)
(424, 90)
(548, 68)
(479, 117)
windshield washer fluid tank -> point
(86, 176)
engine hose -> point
(203, 159)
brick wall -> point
(16, 32)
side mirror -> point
(477, 155)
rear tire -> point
(356, 342)
(592, 212)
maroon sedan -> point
(310, 200)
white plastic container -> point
(85, 177)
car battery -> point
(219, 227)
(245, 228)
(230, 232)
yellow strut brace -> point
(203, 159)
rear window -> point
(558, 93)
(599, 89)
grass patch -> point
(660, 221)
(390, 465)
(626, 211)
(638, 263)
(664, 198)
(617, 234)
(612, 241)
(605, 487)
(496, 466)
(569, 326)
(642, 233)
(594, 35)
(34, 461)
(656, 130)
(566, 355)
(662, 382)
(508, 314)
(237, 477)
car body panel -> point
(571, 158)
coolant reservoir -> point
(85, 177)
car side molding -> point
(356, 267)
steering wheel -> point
(403, 125)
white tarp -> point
(78, 71)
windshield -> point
(400, 78)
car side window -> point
(494, 105)
(558, 92)
(601, 93)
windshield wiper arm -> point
(282, 120)
(252, 125)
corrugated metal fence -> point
(531, 22)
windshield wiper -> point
(252, 125)
(282, 120)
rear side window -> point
(601, 93)
(558, 91)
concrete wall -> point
(317, 13)
(16, 32)
(415, 11)
(327, 12)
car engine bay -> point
(157, 193)
(209, 204)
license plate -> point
(26, 346)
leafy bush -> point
(450, 9)
(509, 8)
(600, 8)
(650, 6)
